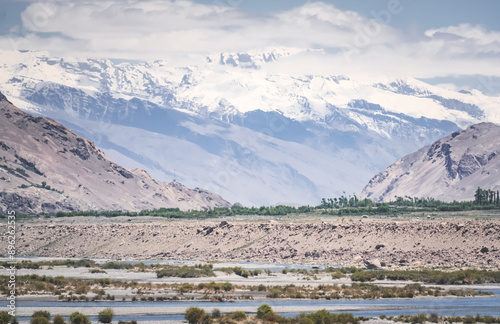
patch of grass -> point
(186, 272)
(460, 277)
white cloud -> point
(354, 44)
(130, 27)
(466, 32)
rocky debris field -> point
(451, 243)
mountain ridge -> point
(45, 167)
(451, 168)
(231, 119)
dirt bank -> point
(404, 243)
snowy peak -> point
(450, 169)
(201, 89)
(254, 59)
(242, 122)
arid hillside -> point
(405, 243)
(45, 167)
(452, 168)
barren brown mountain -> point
(45, 167)
(452, 168)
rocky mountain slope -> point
(450, 169)
(231, 123)
(45, 167)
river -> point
(368, 308)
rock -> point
(373, 264)
(379, 246)
(357, 258)
(485, 250)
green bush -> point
(185, 272)
(58, 319)
(306, 320)
(239, 316)
(272, 318)
(469, 320)
(79, 318)
(5, 317)
(337, 275)
(39, 320)
(227, 286)
(21, 171)
(263, 310)
(41, 313)
(117, 265)
(421, 318)
(458, 277)
(323, 316)
(194, 315)
(106, 315)
(216, 313)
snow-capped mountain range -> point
(229, 125)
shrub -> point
(239, 315)
(5, 317)
(306, 320)
(117, 265)
(433, 318)
(272, 317)
(337, 275)
(206, 319)
(106, 315)
(216, 313)
(79, 318)
(39, 320)
(194, 315)
(58, 319)
(41, 313)
(420, 318)
(263, 310)
(227, 286)
(21, 171)
(226, 320)
(185, 272)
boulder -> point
(373, 264)
(357, 258)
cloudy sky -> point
(453, 42)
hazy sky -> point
(446, 40)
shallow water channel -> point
(367, 308)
